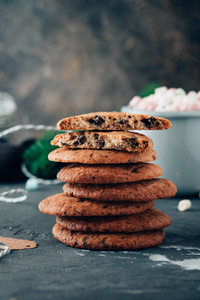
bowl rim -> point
(164, 114)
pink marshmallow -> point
(161, 90)
(135, 101)
(184, 106)
(196, 106)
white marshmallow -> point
(184, 205)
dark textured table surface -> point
(55, 271)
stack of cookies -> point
(110, 183)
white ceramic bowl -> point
(178, 148)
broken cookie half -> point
(113, 121)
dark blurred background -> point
(60, 58)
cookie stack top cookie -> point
(113, 121)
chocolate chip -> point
(133, 142)
(82, 139)
(101, 143)
(122, 122)
(96, 136)
(149, 122)
(97, 121)
(76, 143)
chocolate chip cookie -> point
(112, 140)
(61, 205)
(105, 174)
(145, 190)
(151, 219)
(109, 241)
(113, 121)
(87, 156)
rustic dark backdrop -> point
(65, 57)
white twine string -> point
(5, 250)
(14, 200)
(27, 127)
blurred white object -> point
(4, 249)
(32, 184)
(184, 205)
(177, 148)
(7, 109)
(7, 104)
